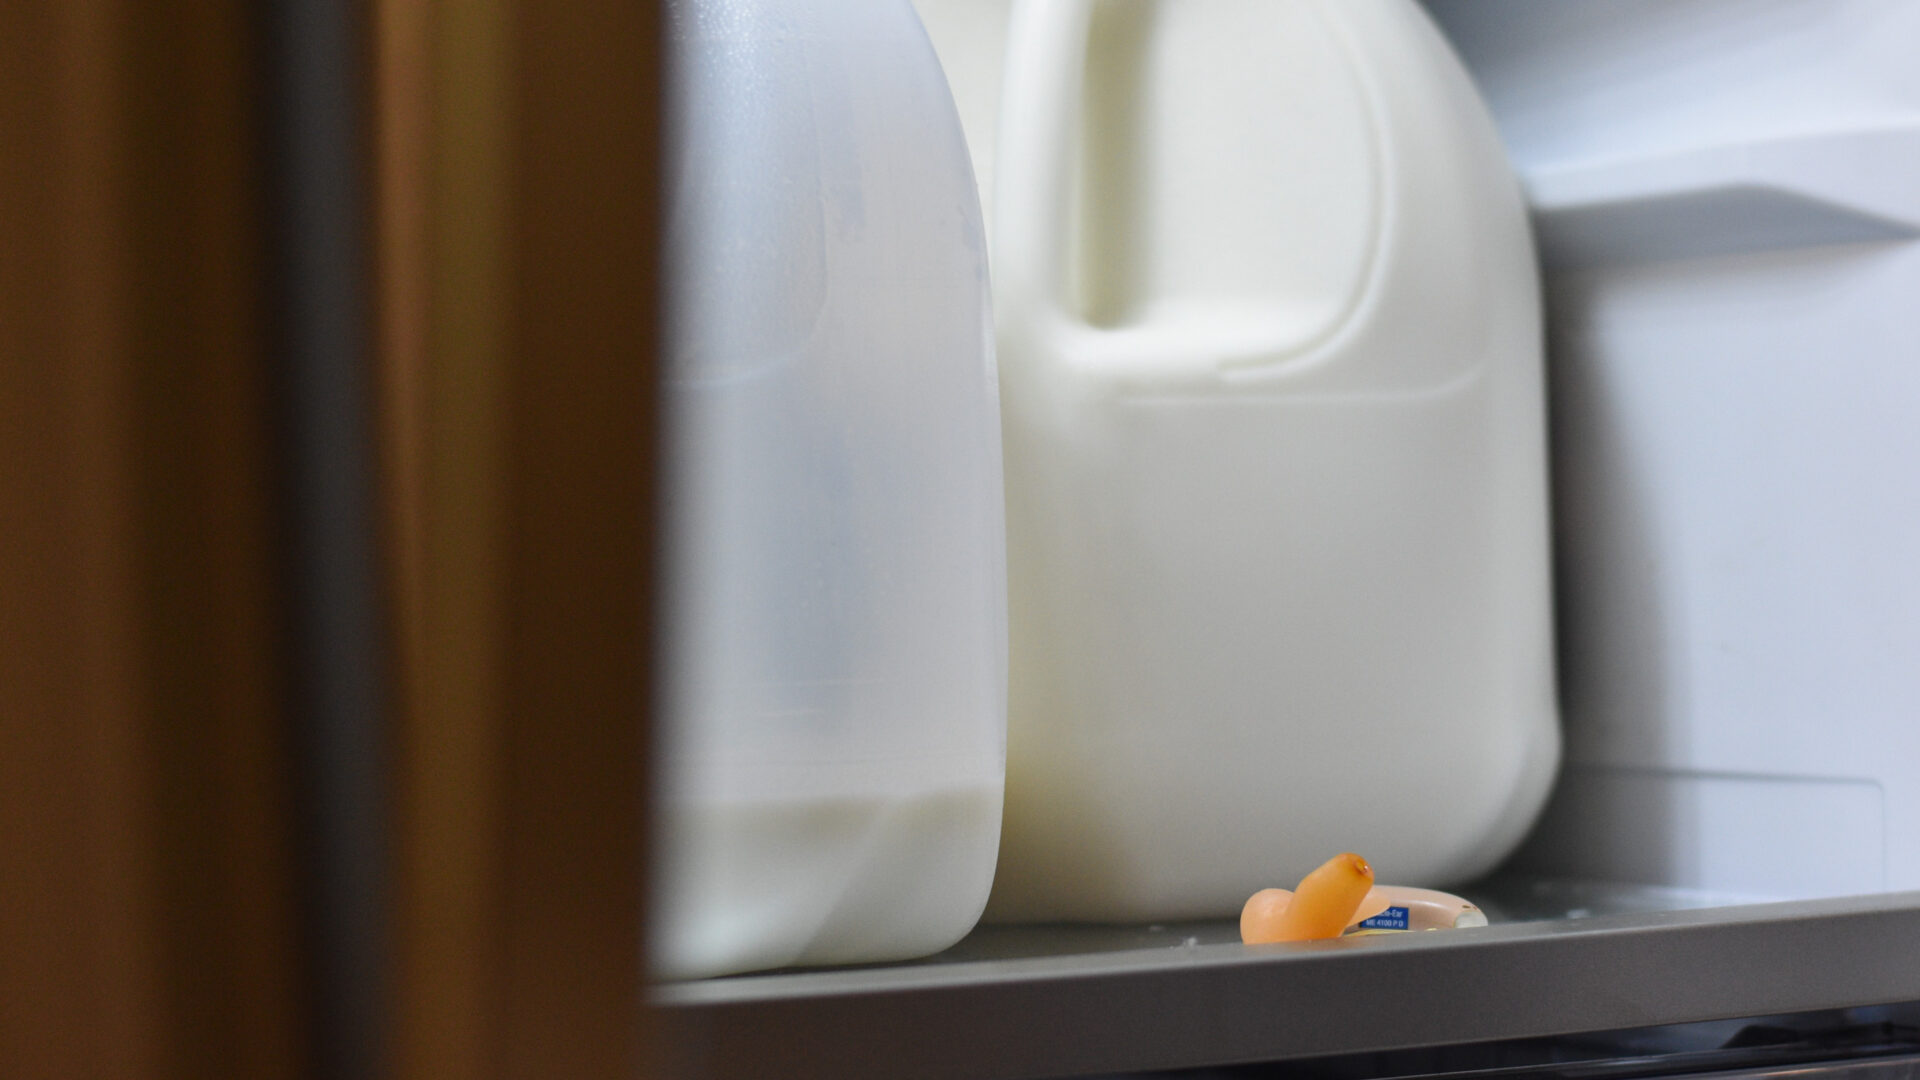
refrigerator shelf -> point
(1561, 958)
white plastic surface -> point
(1728, 193)
(971, 39)
(836, 632)
(1276, 492)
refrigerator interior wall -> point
(1726, 194)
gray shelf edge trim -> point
(1220, 1004)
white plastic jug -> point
(835, 650)
(1271, 361)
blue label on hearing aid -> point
(1394, 918)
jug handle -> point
(1045, 74)
(1042, 90)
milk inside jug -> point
(834, 655)
(1271, 357)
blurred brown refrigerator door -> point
(156, 878)
(148, 878)
(515, 149)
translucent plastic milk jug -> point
(835, 616)
(1277, 534)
